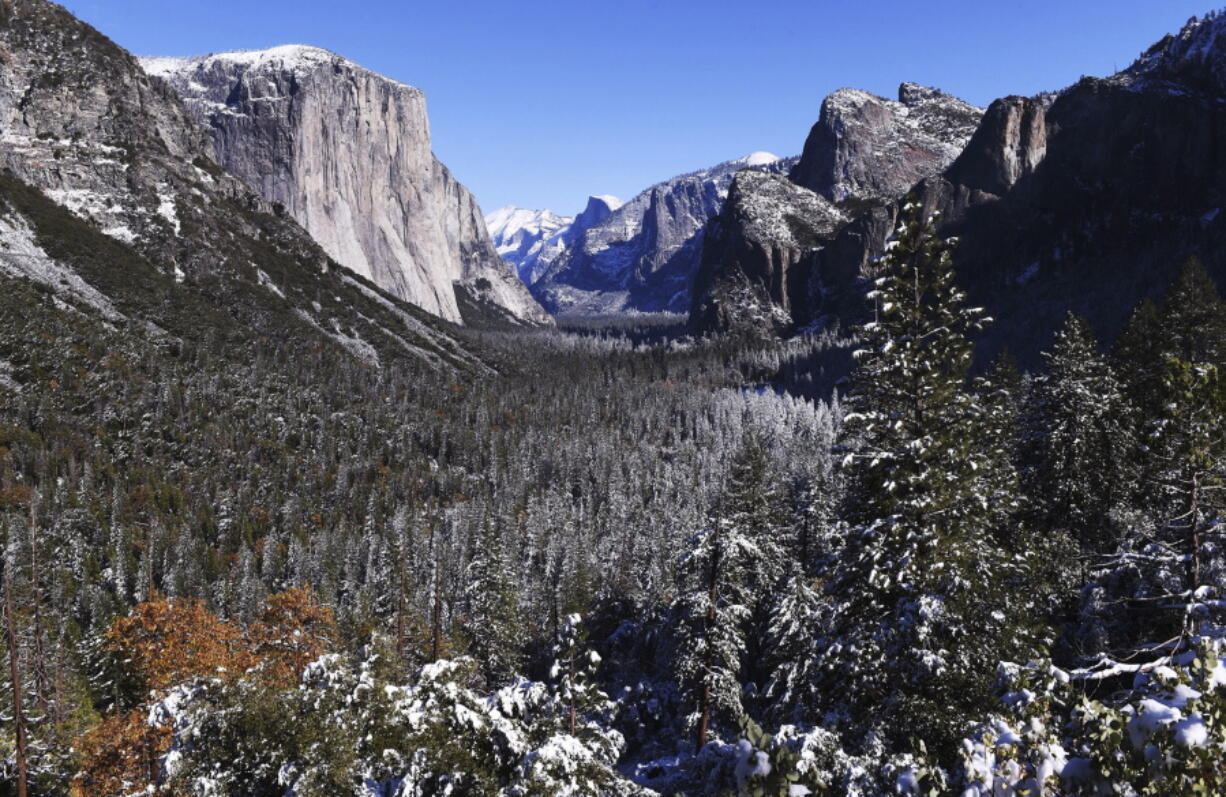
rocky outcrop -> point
(760, 253)
(788, 255)
(867, 147)
(1085, 201)
(1008, 146)
(111, 193)
(643, 257)
(347, 153)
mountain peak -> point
(608, 201)
(759, 158)
(295, 59)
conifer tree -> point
(917, 632)
(492, 625)
(1081, 440)
(796, 626)
(573, 675)
(711, 627)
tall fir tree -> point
(1080, 441)
(492, 625)
(917, 632)
(726, 574)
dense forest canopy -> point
(617, 561)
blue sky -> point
(539, 104)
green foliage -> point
(931, 494)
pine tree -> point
(797, 624)
(918, 632)
(573, 675)
(1081, 442)
(710, 640)
(1171, 357)
(492, 626)
(729, 574)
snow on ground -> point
(21, 256)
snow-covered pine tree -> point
(1080, 442)
(492, 625)
(729, 574)
(1170, 560)
(797, 624)
(751, 506)
(573, 677)
(920, 624)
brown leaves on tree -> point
(170, 641)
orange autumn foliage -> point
(292, 631)
(169, 641)
(120, 755)
(165, 642)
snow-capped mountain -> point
(642, 257)
(347, 153)
(523, 236)
(531, 240)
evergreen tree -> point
(710, 639)
(573, 675)
(1080, 444)
(797, 624)
(492, 626)
(917, 632)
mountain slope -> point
(347, 153)
(642, 258)
(113, 205)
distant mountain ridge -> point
(642, 257)
(347, 153)
(531, 240)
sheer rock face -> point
(867, 147)
(347, 153)
(643, 256)
(109, 170)
(1088, 200)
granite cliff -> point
(347, 153)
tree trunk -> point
(436, 617)
(41, 688)
(570, 666)
(704, 706)
(19, 720)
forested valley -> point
(611, 560)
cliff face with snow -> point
(112, 203)
(642, 258)
(869, 147)
(1087, 200)
(347, 153)
(763, 265)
